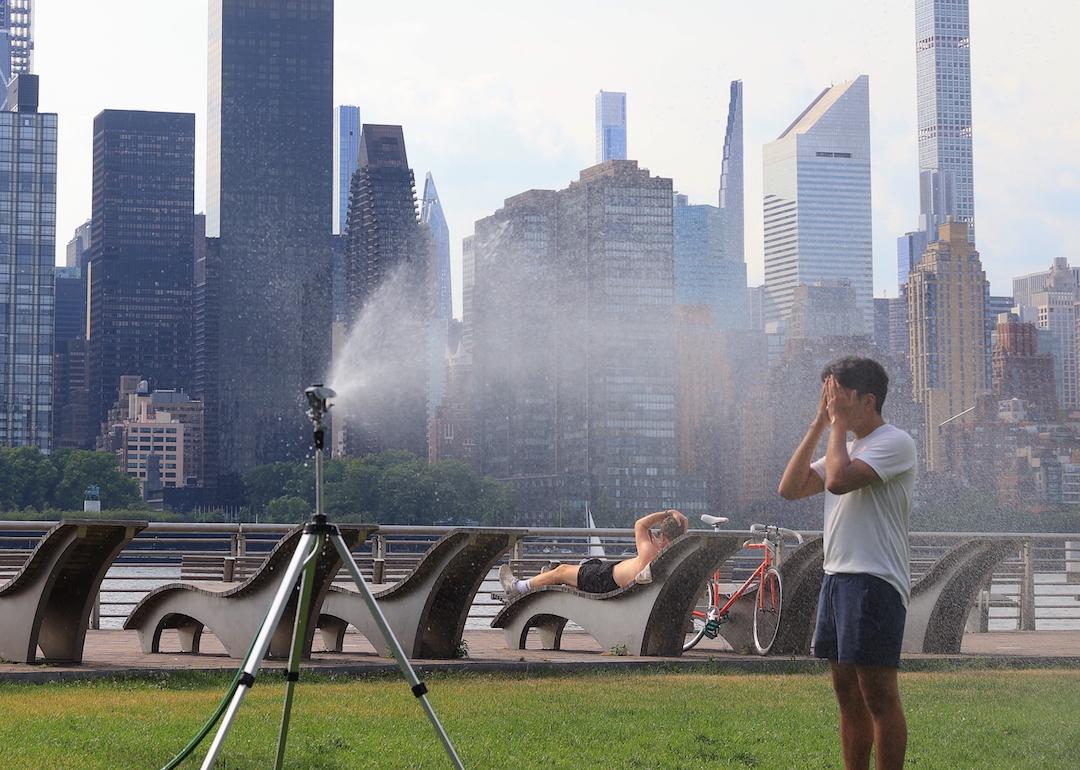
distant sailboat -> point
(596, 548)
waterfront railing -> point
(1038, 588)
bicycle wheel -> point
(700, 616)
(767, 605)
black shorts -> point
(597, 577)
(860, 620)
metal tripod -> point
(317, 534)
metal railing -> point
(1038, 588)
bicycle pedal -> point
(712, 629)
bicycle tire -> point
(768, 603)
(695, 636)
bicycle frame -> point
(767, 550)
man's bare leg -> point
(881, 694)
(856, 724)
(563, 575)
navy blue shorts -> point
(860, 620)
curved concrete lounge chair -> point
(646, 619)
(943, 598)
(234, 611)
(47, 603)
(428, 608)
(801, 574)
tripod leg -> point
(303, 606)
(262, 643)
(419, 689)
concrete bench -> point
(234, 611)
(428, 608)
(642, 619)
(942, 600)
(801, 574)
(47, 603)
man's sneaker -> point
(645, 576)
(508, 581)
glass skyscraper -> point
(269, 205)
(817, 201)
(434, 219)
(943, 66)
(142, 253)
(346, 147)
(610, 126)
(731, 178)
(27, 252)
(386, 242)
(704, 275)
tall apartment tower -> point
(269, 205)
(817, 201)
(346, 150)
(943, 66)
(731, 178)
(610, 126)
(949, 341)
(27, 253)
(142, 253)
(386, 248)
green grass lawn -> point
(957, 719)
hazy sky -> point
(497, 98)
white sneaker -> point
(508, 581)
(645, 576)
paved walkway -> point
(117, 653)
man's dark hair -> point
(863, 375)
(671, 527)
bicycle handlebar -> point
(783, 531)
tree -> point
(79, 469)
(27, 478)
(288, 510)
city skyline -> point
(486, 132)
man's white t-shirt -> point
(866, 531)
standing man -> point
(868, 484)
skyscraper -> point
(949, 341)
(346, 148)
(142, 253)
(704, 273)
(573, 337)
(943, 66)
(731, 178)
(77, 253)
(817, 201)
(610, 126)
(269, 205)
(433, 218)
(27, 252)
(1054, 310)
(388, 250)
(16, 42)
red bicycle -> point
(765, 581)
